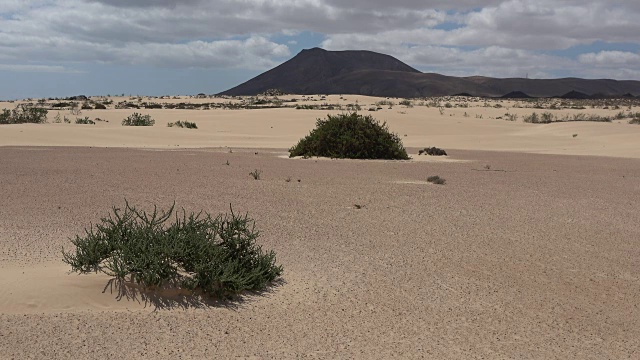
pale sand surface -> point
(534, 256)
(538, 261)
(418, 127)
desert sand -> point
(529, 251)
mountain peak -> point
(319, 71)
(312, 69)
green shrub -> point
(85, 121)
(635, 121)
(255, 174)
(350, 136)
(545, 118)
(533, 118)
(218, 256)
(511, 117)
(406, 103)
(136, 119)
(183, 124)
(385, 102)
(433, 151)
(436, 180)
(24, 114)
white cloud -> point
(490, 37)
(35, 68)
(610, 58)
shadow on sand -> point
(171, 298)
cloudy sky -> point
(156, 47)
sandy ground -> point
(519, 255)
(418, 126)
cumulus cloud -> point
(610, 58)
(489, 37)
(35, 68)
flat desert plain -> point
(531, 250)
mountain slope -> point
(317, 71)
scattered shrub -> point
(136, 119)
(511, 117)
(75, 109)
(545, 118)
(100, 106)
(635, 121)
(85, 121)
(61, 105)
(183, 124)
(350, 136)
(533, 118)
(255, 174)
(218, 256)
(24, 114)
(406, 103)
(436, 180)
(433, 151)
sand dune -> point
(519, 255)
(281, 128)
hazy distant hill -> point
(317, 71)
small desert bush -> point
(351, 136)
(85, 121)
(547, 118)
(586, 117)
(635, 121)
(436, 180)
(183, 124)
(433, 151)
(534, 118)
(385, 102)
(255, 174)
(406, 103)
(511, 117)
(136, 119)
(24, 114)
(215, 255)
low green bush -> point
(351, 136)
(217, 256)
(255, 174)
(85, 121)
(406, 103)
(136, 119)
(183, 124)
(433, 151)
(24, 114)
(436, 180)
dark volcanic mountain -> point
(317, 71)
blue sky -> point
(57, 48)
